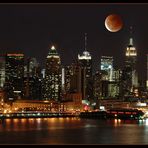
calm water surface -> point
(73, 131)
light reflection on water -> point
(73, 131)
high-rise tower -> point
(14, 72)
(85, 61)
(130, 77)
(32, 79)
(52, 83)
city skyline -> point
(34, 28)
(73, 73)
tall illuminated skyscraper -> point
(130, 77)
(14, 72)
(85, 61)
(52, 83)
(110, 78)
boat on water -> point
(114, 113)
(125, 113)
(93, 114)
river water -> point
(63, 131)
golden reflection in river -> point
(117, 122)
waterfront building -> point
(72, 102)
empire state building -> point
(130, 76)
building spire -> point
(52, 47)
(131, 41)
(52, 52)
(131, 33)
(131, 30)
(85, 41)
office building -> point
(52, 81)
(14, 74)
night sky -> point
(33, 28)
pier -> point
(36, 115)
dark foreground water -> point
(73, 131)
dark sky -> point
(33, 28)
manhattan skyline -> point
(34, 28)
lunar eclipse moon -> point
(113, 23)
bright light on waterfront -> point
(146, 121)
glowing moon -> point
(113, 23)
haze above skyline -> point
(34, 28)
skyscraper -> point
(75, 78)
(107, 65)
(71, 78)
(66, 77)
(52, 81)
(32, 79)
(97, 85)
(14, 75)
(130, 77)
(114, 85)
(85, 61)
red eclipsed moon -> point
(113, 23)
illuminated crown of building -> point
(85, 55)
(52, 48)
(131, 50)
(53, 53)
